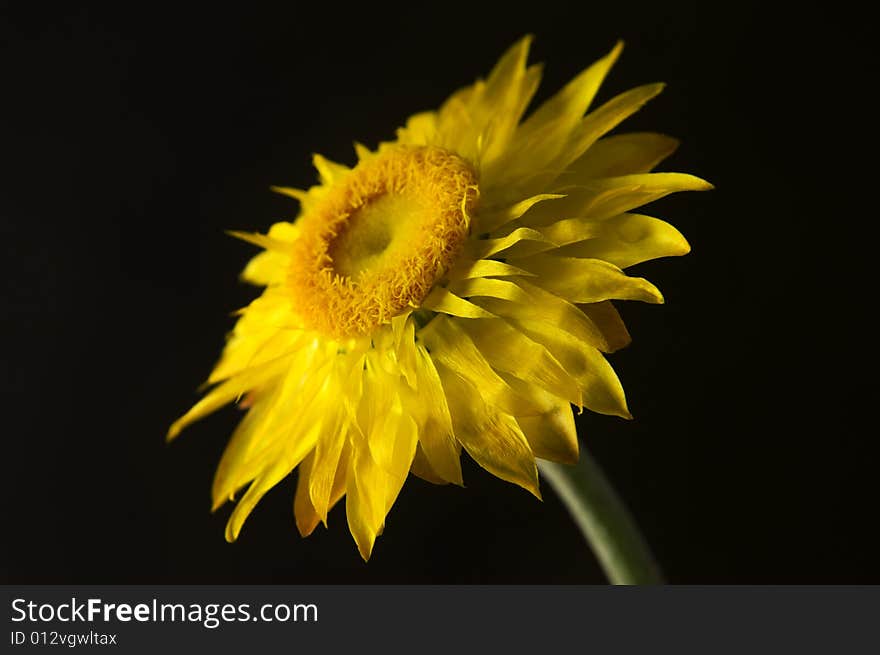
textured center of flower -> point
(380, 239)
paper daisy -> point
(450, 291)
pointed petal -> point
(307, 518)
(405, 443)
(255, 492)
(509, 350)
(570, 230)
(573, 100)
(552, 433)
(548, 310)
(507, 92)
(261, 335)
(525, 240)
(290, 192)
(601, 199)
(588, 280)
(271, 266)
(602, 391)
(630, 239)
(362, 151)
(622, 154)
(431, 411)
(596, 124)
(403, 327)
(420, 130)
(504, 289)
(466, 269)
(421, 468)
(364, 487)
(304, 513)
(262, 240)
(282, 425)
(227, 392)
(606, 317)
(282, 464)
(446, 302)
(326, 461)
(450, 346)
(490, 220)
(542, 138)
(329, 171)
(493, 438)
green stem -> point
(604, 521)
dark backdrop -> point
(132, 138)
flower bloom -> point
(451, 290)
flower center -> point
(380, 239)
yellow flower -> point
(450, 291)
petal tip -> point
(173, 431)
(614, 54)
(306, 529)
(231, 533)
(366, 551)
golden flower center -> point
(380, 239)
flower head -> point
(451, 290)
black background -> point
(132, 138)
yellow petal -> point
(601, 388)
(622, 154)
(384, 414)
(588, 280)
(226, 481)
(403, 328)
(504, 289)
(544, 135)
(290, 192)
(552, 433)
(467, 268)
(493, 438)
(601, 199)
(525, 240)
(325, 464)
(549, 310)
(431, 411)
(490, 220)
(604, 119)
(262, 240)
(630, 239)
(405, 442)
(572, 101)
(229, 391)
(271, 266)
(420, 129)
(508, 349)
(245, 351)
(259, 337)
(362, 151)
(307, 518)
(364, 500)
(329, 171)
(446, 302)
(304, 513)
(450, 345)
(255, 492)
(283, 464)
(421, 468)
(281, 422)
(570, 230)
(508, 91)
(606, 317)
